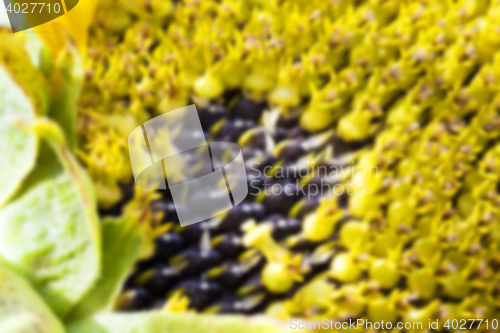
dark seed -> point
(287, 122)
(168, 245)
(232, 304)
(298, 133)
(168, 208)
(209, 116)
(248, 109)
(128, 191)
(201, 293)
(256, 184)
(229, 245)
(239, 214)
(292, 150)
(231, 276)
(257, 139)
(342, 147)
(259, 163)
(284, 227)
(199, 261)
(251, 286)
(280, 134)
(135, 300)
(231, 130)
(251, 153)
(161, 280)
(281, 197)
(227, 305)
(192, 233)
(307, 206)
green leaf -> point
(50, 232)
(34, 47)
(162, 322)
(23, 96)
(22, 309)
(64, 110)
(122, 242)
(69, 76)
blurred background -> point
(370, 135)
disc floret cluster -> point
(408, 87)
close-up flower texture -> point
(400, 98)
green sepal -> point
(122, 242)
(24, 96)
(162, 322)
(22, 309)
(50, 234)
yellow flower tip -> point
(345, 268)
(176, 303)
(354, 126)
(48, 130)
(313, 121)
(108, 195)
(280, 310)
(277, 277)
(256, 235)
(285, 96)
(258, 83)
(208, 86)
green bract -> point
(55, 205)
(122, 242)
(182, 323)
(22, 309)
(24, 96)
